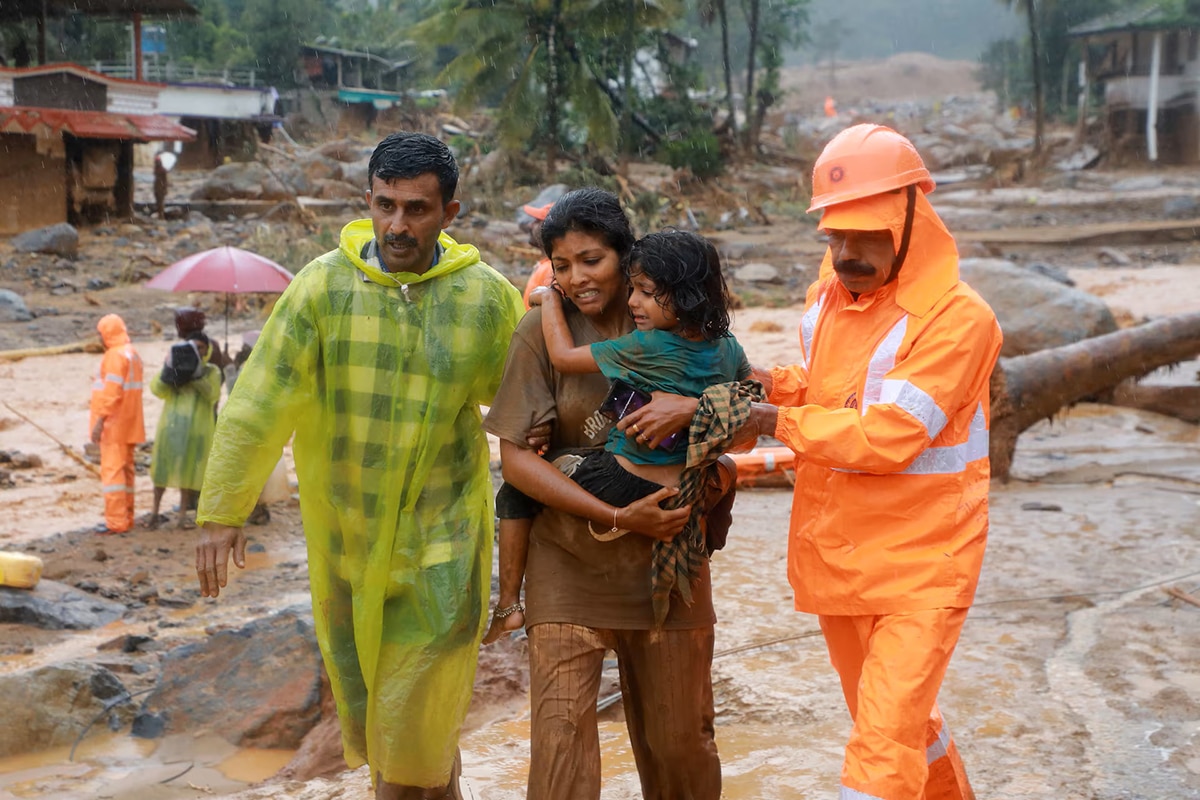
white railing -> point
(179, 73)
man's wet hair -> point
(406, 155)
(588, 210)
(686, 270)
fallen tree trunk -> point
(1032, 387)
(1180, 402)
(85, 346)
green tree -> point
(773, 26)
(274, 31)
(539, 59)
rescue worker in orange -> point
(542, 273)
(116, 422)
(887, 412)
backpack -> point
(182, 365)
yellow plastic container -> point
(20, 570)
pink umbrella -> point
(223, 269)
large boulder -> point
(241, 181)
(52, 706)
(56, 606)
(61, 240)
(258, 686)
(1035, 312)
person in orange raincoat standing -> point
(116, 422)
(887, 412)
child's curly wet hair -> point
(686, 270)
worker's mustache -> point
(854, 268)
(399, 240)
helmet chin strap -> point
(909, 212)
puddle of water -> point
(251, 765)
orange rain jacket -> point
(888, 412)
(117, 389)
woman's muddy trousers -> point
(666, 685)
(891, 668)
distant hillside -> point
(905, 76)
(955, 29)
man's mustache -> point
(854, 268)
(399, 240)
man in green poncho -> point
(377, 357)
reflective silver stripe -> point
(882, 361)
(134, 385)
(955, 458)
(114, 379)
(120, 487)
(939, 748)
(917, 402)
(97, 384)
(808, 327)
(847, 793)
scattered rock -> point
(55, 606)
(1035, 312)
(60, 239)
(1113, 256)
(51, 706)
(1036, 506)
(21, 460)
(1052, 272)
(241, 181)
(757, 272)
(276, 667)
(1184, 207)
(13, 308)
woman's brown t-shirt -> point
(571, 577)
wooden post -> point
(137, 46)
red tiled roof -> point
(59, 67)
(93, 124)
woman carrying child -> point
(585, 596)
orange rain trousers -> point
(116, 479)
(900, 748)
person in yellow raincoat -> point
(117, 424)
(888, 413)
(185, 433)
(378, 356)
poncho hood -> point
(358, 233)
(112, 330)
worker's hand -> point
(538, 437)
(212, 556)
(98, 431)
(664, 415)
(763, 376)
(764, 418)
(645, 517)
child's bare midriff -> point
(663, 474)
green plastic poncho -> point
(185, 430)
(381, 376)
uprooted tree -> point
(1032, 387)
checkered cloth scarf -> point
(724, 408)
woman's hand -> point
(645, 517)
(652, 423)
(537, 438)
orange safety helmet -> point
(865, 160)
